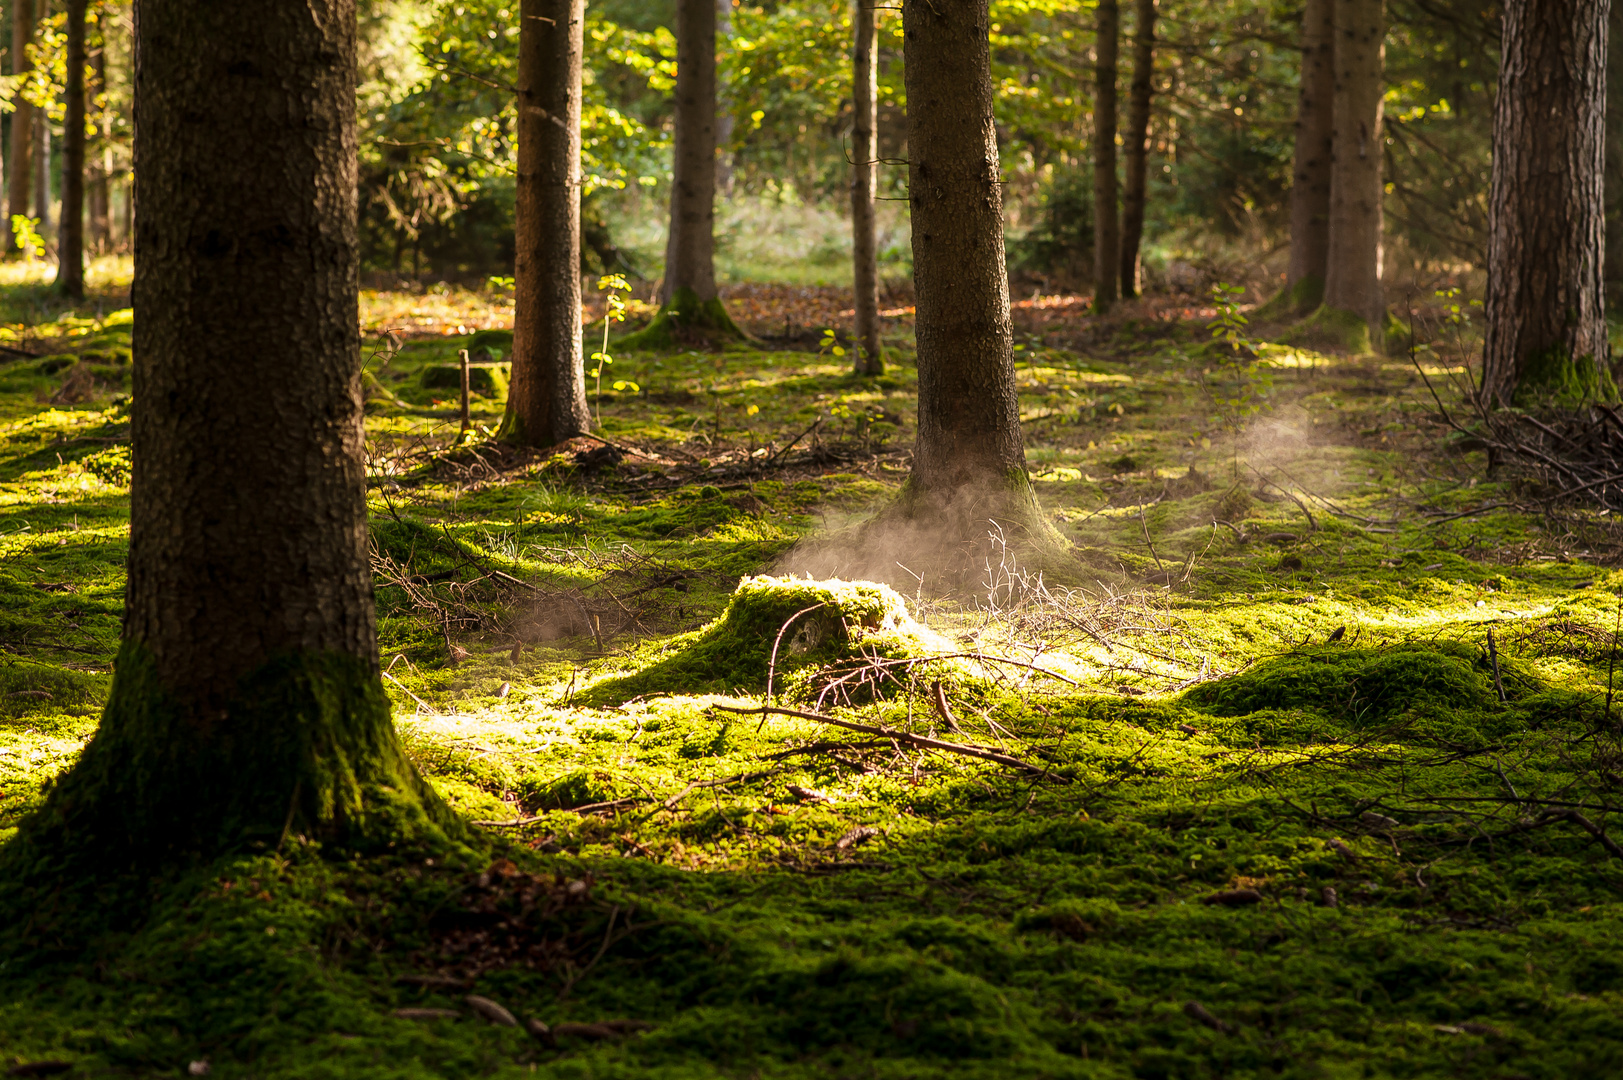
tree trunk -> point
(1138, 134)
(864, 171)
(969, 450)
(1614, 158)
(1106, 222)
(1352, 281)
(248, 701)
(1546, 324)
(724, 112)
(1311, 166)
(101, 232)
(70, 267)
(41, 159)
(546, 401)
(689, 296)
(22, 121)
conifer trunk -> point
(864, 171)
(1352, 283)
(689, 296)
(247, 701)
(724, 112)
(22, 120)
(1106, 223)
(969, 448)
(1613, 183)
(1138, 132)
(546, 400)
(70, 268)
(1546, 325)
(101, 229)
(1311, 164)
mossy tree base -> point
(1329, 327)
(1301, 298)
(684, 316)
(304, 746)
(1553, 378)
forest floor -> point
(1301, 763)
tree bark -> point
(101, 230)
(969, 450)
(1352, 282)
(1138, 134)
(546, 400)
(1546, 325)
(1106, 222)
(864, 173)
(70, 267)
(689, 295)
(247, 701)
(22, 121)
(724, 112)
(1311, 165)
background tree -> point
(1106, 227)
(98, 183)
(864, 174)
(248, 698)
(1312, 161)
(724, 113)
(969, 455)
(41, 156)
(1137, 142)
(1352, 283)
(70, 267)
(22, 119)
(546, 401)
(1546, 332)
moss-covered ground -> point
(1286, 811)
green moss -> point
(684, 312)
(825, 620)
(1329, 327)
(486, 380)
(1552, 377)
(1298, 299)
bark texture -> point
(864, 174)
(1352, 281)
(1106, 222)
(969, 447)
(22, 121)
(546, 400)
(1546, 326)
(247, 700)
(690, 255)
(70, 267)
(1137, 143)
(1312, 163)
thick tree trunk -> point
(1614, 158)
(248, 701)
(1546, 324)
(1312, 164)
(546, 401)
(1352, 281)
(1106, 222)
(22, 121)
(1138, 148)
(70, 268)
(969, 449)
(724, 112)
(101, 229)
(864, 173)
(689, 295)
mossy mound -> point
(1298, 299)
(1330, 327)
(681, 318)
(486, 380)
(1358, 686)
(490, 345)
(821, 622)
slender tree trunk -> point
(22, 121)
(724, 112)
(42, 174)
(1106, 222)
(1312, 164)
(969, 448)
(248, 701)
(546, 401)
(1614, 158)
(1138, 149)
(100, 209)
(864, 171)
(689, 295)
(70, 267)
(1546, 324)
(1352, 282)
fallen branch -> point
(889, 733)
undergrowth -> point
(1314, 751)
